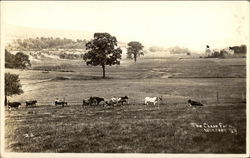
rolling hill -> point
(14, 32)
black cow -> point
(30, 102)
(123, 100)
(95, 100)
(14, 104)
(85, 102)
(194, 103)
(60, 102)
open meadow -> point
(217, 127)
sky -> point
(191, 24)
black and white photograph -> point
(124, 79)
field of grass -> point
(218, 83)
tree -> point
(134, 50)
(102, 51)
(9, 59)
(12, 85)
(239, 50)
(21, 60)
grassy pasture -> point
(133, 128)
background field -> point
(218, 83)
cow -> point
(60, 102)
(14, 104)
(103, 103)
(194, 103)
(117, 100)
(109, 102)
(30, 102)
(114, 100)
(95, 100)
(84, 102)
(123, 100)
(153, 100)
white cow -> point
(153, 100)
(115, 99)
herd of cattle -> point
(94, 101)
(105, 102)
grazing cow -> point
(109, 102)
(103, 103)
(30, 102)
(14, 104)
(194, 103)
(60, 102)
(153, 100)
(95, 100)
(84, 102)
(123, 100)
(116, 100)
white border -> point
(2, 69)
(104, 155)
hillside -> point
(14, 32)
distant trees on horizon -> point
(171, 50)
(238, 51)
(134, 50)
(46, 43)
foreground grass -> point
(132, 128)
(127, 129)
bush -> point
(20, 60)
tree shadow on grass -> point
(60, 78)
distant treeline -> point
(46, 43)
(70, 56)
(179, 50)
(218, 54)
(171, 50)
(157, 49)
(238, 51)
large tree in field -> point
(134, 50)
(102, 51)
(12, 85)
